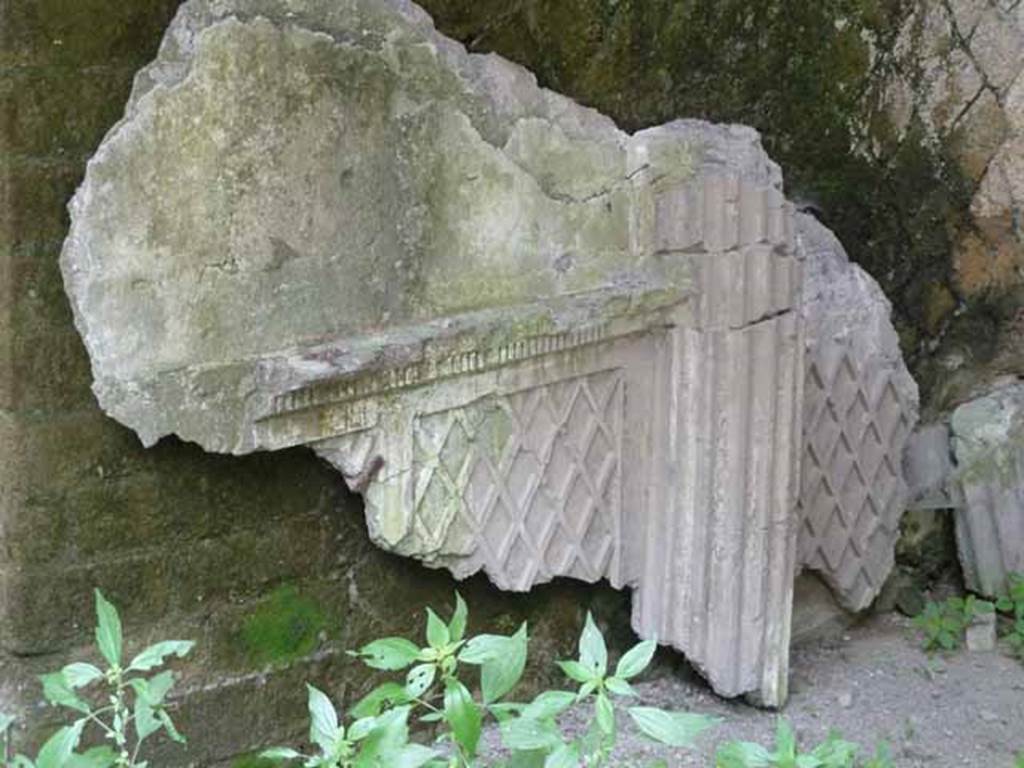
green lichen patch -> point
(284, 627)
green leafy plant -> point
(834, 752)
(1013, 601)
(1013, 604)
(882, 758)
(535, 731)
(376, 730)
(943, 624)
(131, 704)
(371, 741)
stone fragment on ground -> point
(539, 346)
(981, 633)
(928, 465)
(860, 405)
(988, 441)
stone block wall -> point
(264, 561)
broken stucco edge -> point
(280, 414)
(860, 406)
(528, 443)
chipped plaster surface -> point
(538, 345)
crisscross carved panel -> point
(525, 484)
(852, 486)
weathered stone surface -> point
(860, 405)
(538, 345)
(929, 467)
(960, 92)
(981, 633)
(988, 441)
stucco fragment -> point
(537, 345)
(860, 405)
(988, 441)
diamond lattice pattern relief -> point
(852, 491)
(529, 482)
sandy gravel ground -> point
(964, 709)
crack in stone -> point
(763, 319)
(964, 44)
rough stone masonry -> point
(537, 345)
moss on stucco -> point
(809, 76)
(285, 626)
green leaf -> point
(576, 671)
(108, 630)
(154, 690)
(6, 721)
(483, 648)
(742, 754)
(437, 631)
(390, 653)
(159, 686)
(549, 704)
(500, 674)
(636, 660)
(154, 655)
(785, 740)
(419, 680)
(386, 740)
(676, 729)
(57, 691)
(502, 660)
(58, 748)
(79, 675)
(604, 713)
(566, 756)
(373, 702)
(619, 687)
(593, 652)
(169, 727)
(457, 626)
(524, 734)
(146, 721)
(585, 690)
(834, 752)
(506, 710)
(280, 753)
(411, 756)
(361, 728)
(97, 757)
(323, 720)
(463, 716)
(523, 759)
